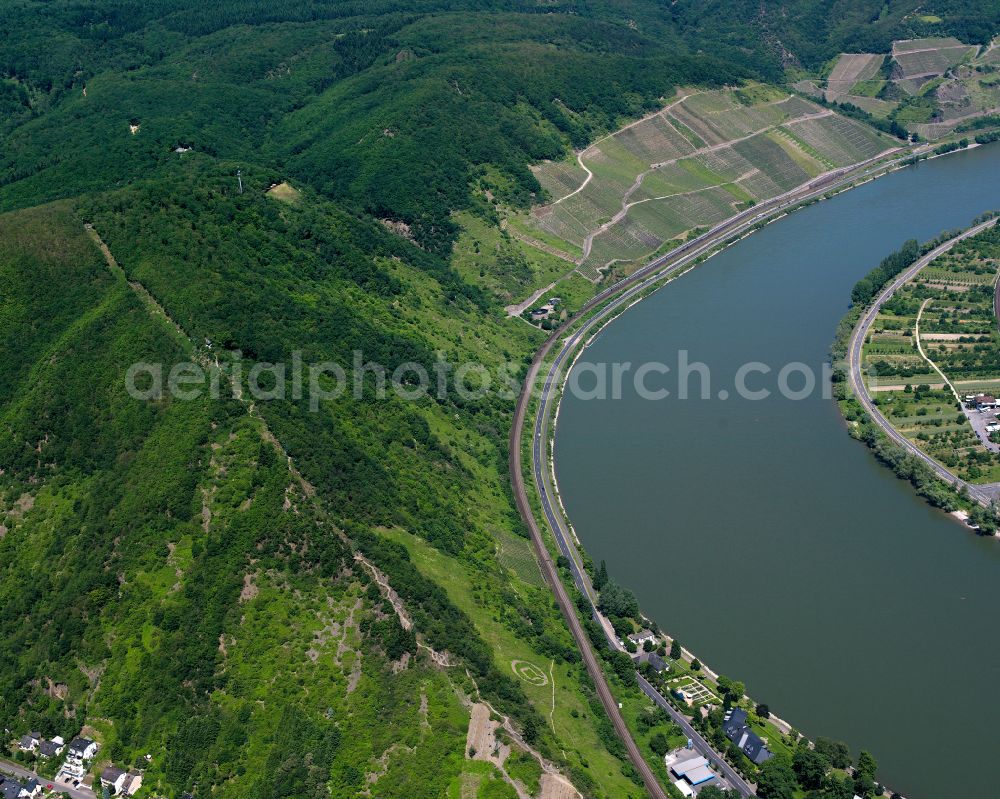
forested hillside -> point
(278, 598)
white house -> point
(114, 779)
(640, 638)
(31, 789)
(82, 749)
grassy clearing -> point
(562, 699)
(497, 261)
(284, 192)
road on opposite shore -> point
(626, 290)
(860, 389)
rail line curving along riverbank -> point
(572, 334)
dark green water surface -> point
(767, 540)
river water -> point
(765, 538)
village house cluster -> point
(691, 771)
(73, 772)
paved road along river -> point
(763, 536)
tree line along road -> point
(854, 359)
(616, 295)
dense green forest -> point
(205, 580)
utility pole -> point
(239, 178)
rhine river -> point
(765, 538)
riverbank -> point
(933, 480)
(594, 317)
(686, 498)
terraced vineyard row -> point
(698, 161)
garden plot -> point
(697, 693)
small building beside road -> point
(695, 771)
(656, 663)
(640, 638)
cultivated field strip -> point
(918, 58)
(559, 179)
(839, 140)
(849, 69)
(701, 159)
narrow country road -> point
(859, 387)
(615, 296)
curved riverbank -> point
(601, 309)
(801, 532)
(982, 494)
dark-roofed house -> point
(50, 749)
(82, 749)
(10, 789)
(734, 725)
(29, 742)
(657, 663)
(113, 779)
(31, 789)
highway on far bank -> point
(981, 494)
(617, 295)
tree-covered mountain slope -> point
(317, 593)
(170, 582)
(166, 579)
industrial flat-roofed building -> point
(684, 766)
(700, 775)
